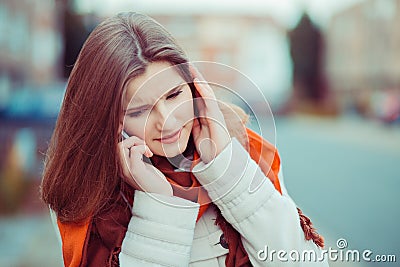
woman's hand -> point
(210, 133)
(141, 175)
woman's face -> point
(156, 107)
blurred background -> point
(329, 69)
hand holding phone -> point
(138, 173)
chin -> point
(176, 150)
(172, 154)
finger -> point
(148, 153)
(123, 154)
(132, 141)
(132, 156)
(196, 127)
(200, 104)
(207, 97)
(207, 102)
(138, 151)
(203, 88)
(131, 163)
(195, 72)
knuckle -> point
(134, 149)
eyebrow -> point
(173, 90)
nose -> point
(164, 118)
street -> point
(344, 173)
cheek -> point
(148, 139)
(185, 110)
(134, 127)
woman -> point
(135, 113)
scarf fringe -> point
(310, 233)
(232, 236)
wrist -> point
(163, 191)
(206, 159)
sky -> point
(286, 12)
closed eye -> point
(174, 94)
(136, 113)
(140, 112)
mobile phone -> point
(125, 135)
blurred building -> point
(310, 91)
(30, 57)
(254, 44)
(249, 36)
(30, 42)
(306, 49)
(363, 52)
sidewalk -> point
(28, 241)
(344, 173)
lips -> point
(171, 138)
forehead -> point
(158, 79)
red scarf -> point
(184, 184)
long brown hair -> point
(81, 166)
